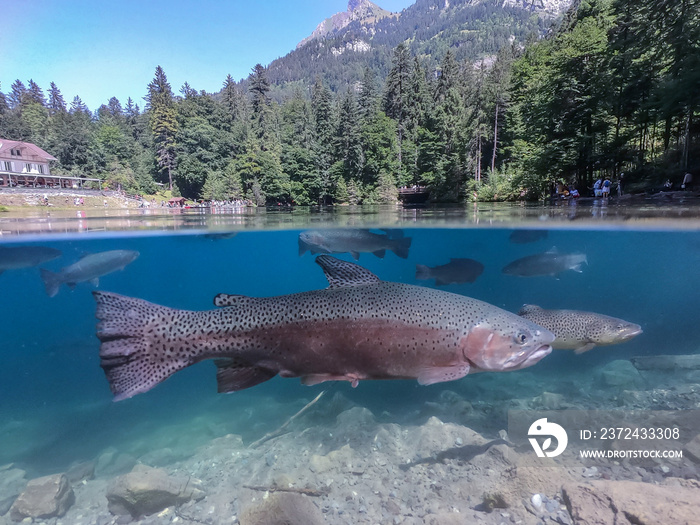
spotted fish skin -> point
(358, 328)
(578, 330)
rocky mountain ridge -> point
(362, 11)
(367, 13)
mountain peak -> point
(363, 11)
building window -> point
(41, 169)
(27, 168)
(7, 165)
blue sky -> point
(98, 49)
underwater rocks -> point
(282, 508)
(43, 498)
(620, 374)
(146, 490)
(12, 483)
(630, 502)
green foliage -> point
(615, 87)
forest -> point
(614, 88)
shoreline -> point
(15, 199)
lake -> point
(389, 451)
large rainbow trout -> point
(358, 328)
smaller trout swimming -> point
(456, 271)
(15, 257)
(358, 328)
(89, 268)
(354, 242)
(548, 263)
(580, 331)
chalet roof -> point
(176, 199)
(35, 151)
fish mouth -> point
(632, 331)
(529, 358)
(542, 351)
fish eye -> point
(521, 338)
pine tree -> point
(397, 90)
(56, 103)
(35, 94)
(115, 108)
(163, 123)
(498, 88)
(16, 97)
(368, 97)
(323, 118)
(233, 100)
(159, 91)
(347, 137)
(260, 88)
(78, 106)
(188, 91)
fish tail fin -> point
(422, 272)
(137, 351)
(52, 281)
(400, 247)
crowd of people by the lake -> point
(603, 187)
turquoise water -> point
(56, 404)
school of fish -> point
(358, 328)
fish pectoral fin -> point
(233, 375)
(225, 299)
(95, 281)
(380, 253)
(441, 374)
(315, 379)
(355, 255)
(584, 348)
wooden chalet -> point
(23, 164)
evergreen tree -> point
(16, 97)
(163, 123)
(234, 101)
(348, 145)
(78, 106)
(35, 94)
(115, 108)
(498, 89)
(56, 103)
(4, 107)
(323, 118)
(397, 90)
(260, 88)
(368, 97)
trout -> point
(360, 327)
(581, 331)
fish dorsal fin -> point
(342, 273)
(225, 299)
(528, 309)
